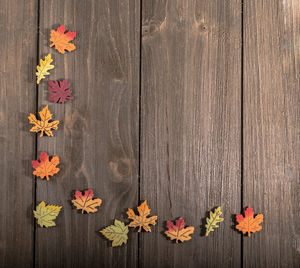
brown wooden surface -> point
(187, 104)
(271, 130)
(191, 86)
(97, 139)
(18, 35)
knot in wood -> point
(121, 168)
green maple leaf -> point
(213, 220)
(116, 233)
(46, 215)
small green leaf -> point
(116, 233)
(213, 220)
(46, 215)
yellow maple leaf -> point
(61, 40)
(43, 68)
(45, 168)
(117, 233)
(86, 202)
(46, 215)
(141, 220)
(178, 232)
(43, 125)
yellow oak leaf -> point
(43, 125)
(43, 68)
(213, 220)
(86, 202)
(141, 221)
(45, 168)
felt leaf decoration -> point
(46, 215)
(249, 224)
(43, 125)
(178, 232)
(45, 168)
(213, 220)
(86, 202)
(141, 221)
(43, 68)
(59, 91)
(116, 233)
(61, 40)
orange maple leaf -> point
(249, 223)
(45, 168)
(43, 125)
(141, 220)
(86, 202)
(61, 40)
(178, 231)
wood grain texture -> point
(191, 99)
(18, 35)
(97, 139)
(271, 130)
(191, 131)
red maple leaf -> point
(59, 91)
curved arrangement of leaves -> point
(45, 215)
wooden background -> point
(189, 104)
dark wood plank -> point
(271, 130)
(191, 85)
(18, 37)
(97, 139)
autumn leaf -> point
(45, 168)
(249, 223)
(141, 220)
(61, 40)
(213, 220)
(59, 91)
(43, 125)
(116, 233)
(178, 232)
(46, 215)
(43, 68)
(86, 202)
